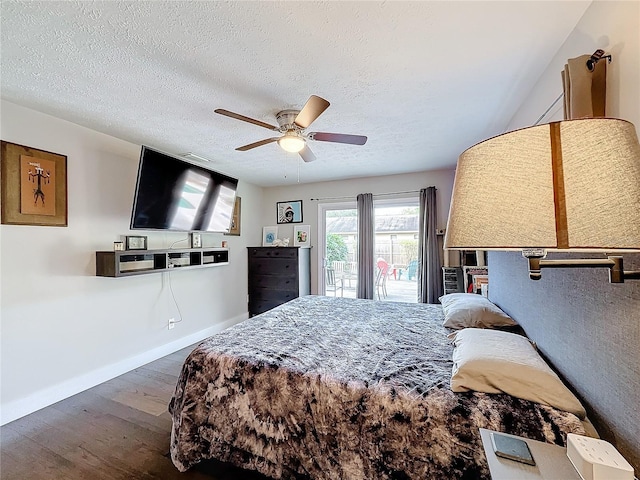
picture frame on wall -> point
(289, 212)
(235, 219)
(34, 186)
(302, 236)
(269, 234)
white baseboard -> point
(19, 408)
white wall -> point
(613, 27)
(441, 179)
(63, 328)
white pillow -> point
(493, 361)
(462, 310)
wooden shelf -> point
(137, 262)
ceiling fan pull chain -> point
(298, 163)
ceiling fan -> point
(292, 126)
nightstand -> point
(551, 462)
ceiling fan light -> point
(291, 143)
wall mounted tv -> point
(173, 194)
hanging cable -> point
(548, 109)
(178, 241)
(174, 299)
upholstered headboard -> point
(589, 330)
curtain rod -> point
(375, 195)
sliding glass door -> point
(339, 250)
(396, 250)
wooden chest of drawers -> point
(277, 275)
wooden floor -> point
(117, 430)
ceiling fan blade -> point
(306, 154)
(237, 116)
(257, 144)
(338, 138)
(311, 110)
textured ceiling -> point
(423, 80)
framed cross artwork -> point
(34, 186)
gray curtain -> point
(366, 260)
(429, 267)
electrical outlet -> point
(172, 323)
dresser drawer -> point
(258, 307)
(275, 282)
(273, 266)
(267, 295)
(261, 305)
(271, 252)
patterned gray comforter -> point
(336, 388)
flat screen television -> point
(173, 194)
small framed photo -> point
(269, 234)
(301, 236)
(289, 212)
(135, 242)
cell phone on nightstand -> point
(512, 448)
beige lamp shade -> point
(564, 185)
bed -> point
(330, 388)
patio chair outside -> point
(333, 284)
(412, 269)
(381, 278)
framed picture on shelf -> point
(301, 236)
(135, 242)
(468, 274)
(235, 219)
(269, 234)
(34, 186)
(479, 281)
(289, 212)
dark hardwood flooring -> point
(117, 430)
